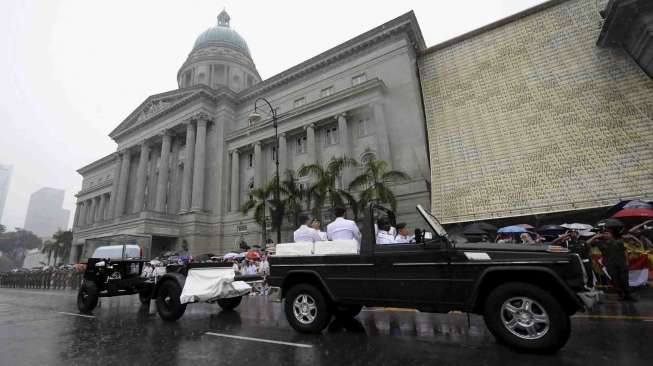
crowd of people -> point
(65, 277)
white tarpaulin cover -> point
(290, 249)
(207, 284)
(336, 247)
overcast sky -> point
(72, 70)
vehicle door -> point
(413, 274)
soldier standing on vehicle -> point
(615, 259)
(305, 233)
(315, 224)
(383, 236)
(403, 235)
(341, 228)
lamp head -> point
(254, 117)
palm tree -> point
(48, 248)
(258, 201)
(374, 182)
(63, 240)
(293, 194)
(324, 190)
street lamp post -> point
(253, 118)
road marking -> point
(82, 315)
(405, 310)
(616, 317)
(260, 340)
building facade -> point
(549, 110)
(187, 159)
(45, 214)
(5, 180)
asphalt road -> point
(40, 327)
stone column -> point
(114, 186)
(235, 181)
(122, 185)
(199, 165)
(81, 220)
(343, 134)
(310, 144)
(383, 141)
(74, 253)
(76, 219)
(162, 182)
(99, 214)
(186, 183)
(258, 165)
(141, 175)
(282, 155)
(90, 215)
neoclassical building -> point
(186, 159)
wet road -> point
(40, 327)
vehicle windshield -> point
(432, 221)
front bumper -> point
(590, 297)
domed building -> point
(187, 159)
(220, 57)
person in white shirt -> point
(249, 268)
(306, 234)
(235, 267)
(315, 224)
(383, 236)
(404, 237)
(341, 228)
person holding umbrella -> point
(614, 255)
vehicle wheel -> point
(347, 311)
(527, 317)
(230, 303)
(87, 297)
(306, 309)
(145, 297)
(167, 301)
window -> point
(358, 79)
(250, 160)
(301, 145)
(274, 153)
(326, 92)
(364, 127)
(331, 136)
(300, 102)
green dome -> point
(221, 33)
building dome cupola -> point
(220, 57)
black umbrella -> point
(550, 229)
(614, 224)
(479, 228)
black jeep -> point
(526, 293)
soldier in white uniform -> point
(341, 228)
(383, 236)
(404, 236)
(305, 234)
(316, 225)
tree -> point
(374, 182)
(14, 243)
(48, 249)
(63, 241)
(294, 195)
(2, 229)
(258, 201)
(324, 189)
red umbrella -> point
(252, 255)
(634, 212)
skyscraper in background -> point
(45, 214)
(5, 179)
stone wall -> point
(529, 116)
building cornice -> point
(371, 85)
(97, 164)
(404, 24)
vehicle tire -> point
(230, 303)
(168, 304)
(307, 309)
(145, 297)
(526, 317)
(87, 297)
(347, 311)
